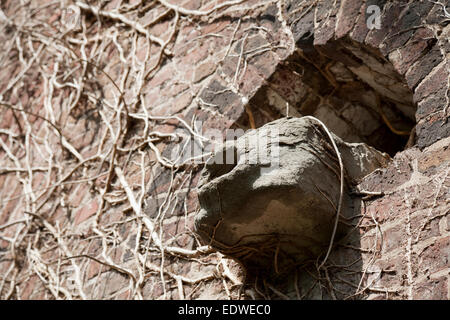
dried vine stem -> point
(188, 12)
(77, 178)
(341, 188)
(119, 17)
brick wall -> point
(93, 203)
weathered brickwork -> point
(97, 101)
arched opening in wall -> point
(351, 87)
(360, 97)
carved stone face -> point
(278, 199)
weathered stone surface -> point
(287, 208)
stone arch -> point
(387, 87)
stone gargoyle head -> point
(269, 198)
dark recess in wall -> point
(350, 87)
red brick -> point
(29, 287)
(215, 27)
(432, 104)
(2, 181)
(112, 5)
(165, 73)
(10, 205)
(175, 90)
(422, 196)
(41, 294)
(152, 96)
(124, 295)
(39, 178)
(423, 66)
(390, 15)
(175, 97)
(182, 43)
(7, 118)
(228, 66)
(250, 81)
(431, 130)
(225, 122)
(302, 26)
(94, 269)
(394, 237)
(388, 179)
(56, 16)
(433, 289)
(87, 211)
(393, 271)
(325, 17)
(141, 49)
(334, 51)
(360, 30)
(404, 27)
(59, 215)
(404, 57)
(114, 282)
(4, 244)
(430, 230)
(292, 93)
(349, 11)
(116, 255)
(433, 84)
(192, 201)
(217, 95)
(157, 291)
(368, 243)
(182, 102)
(85, 140)
(269, 19)
(192, 4)
(77, 194)
(434, 159)
(204, 70)
(193, 57)
(436, 257)
(265, 64)
(324, 32)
